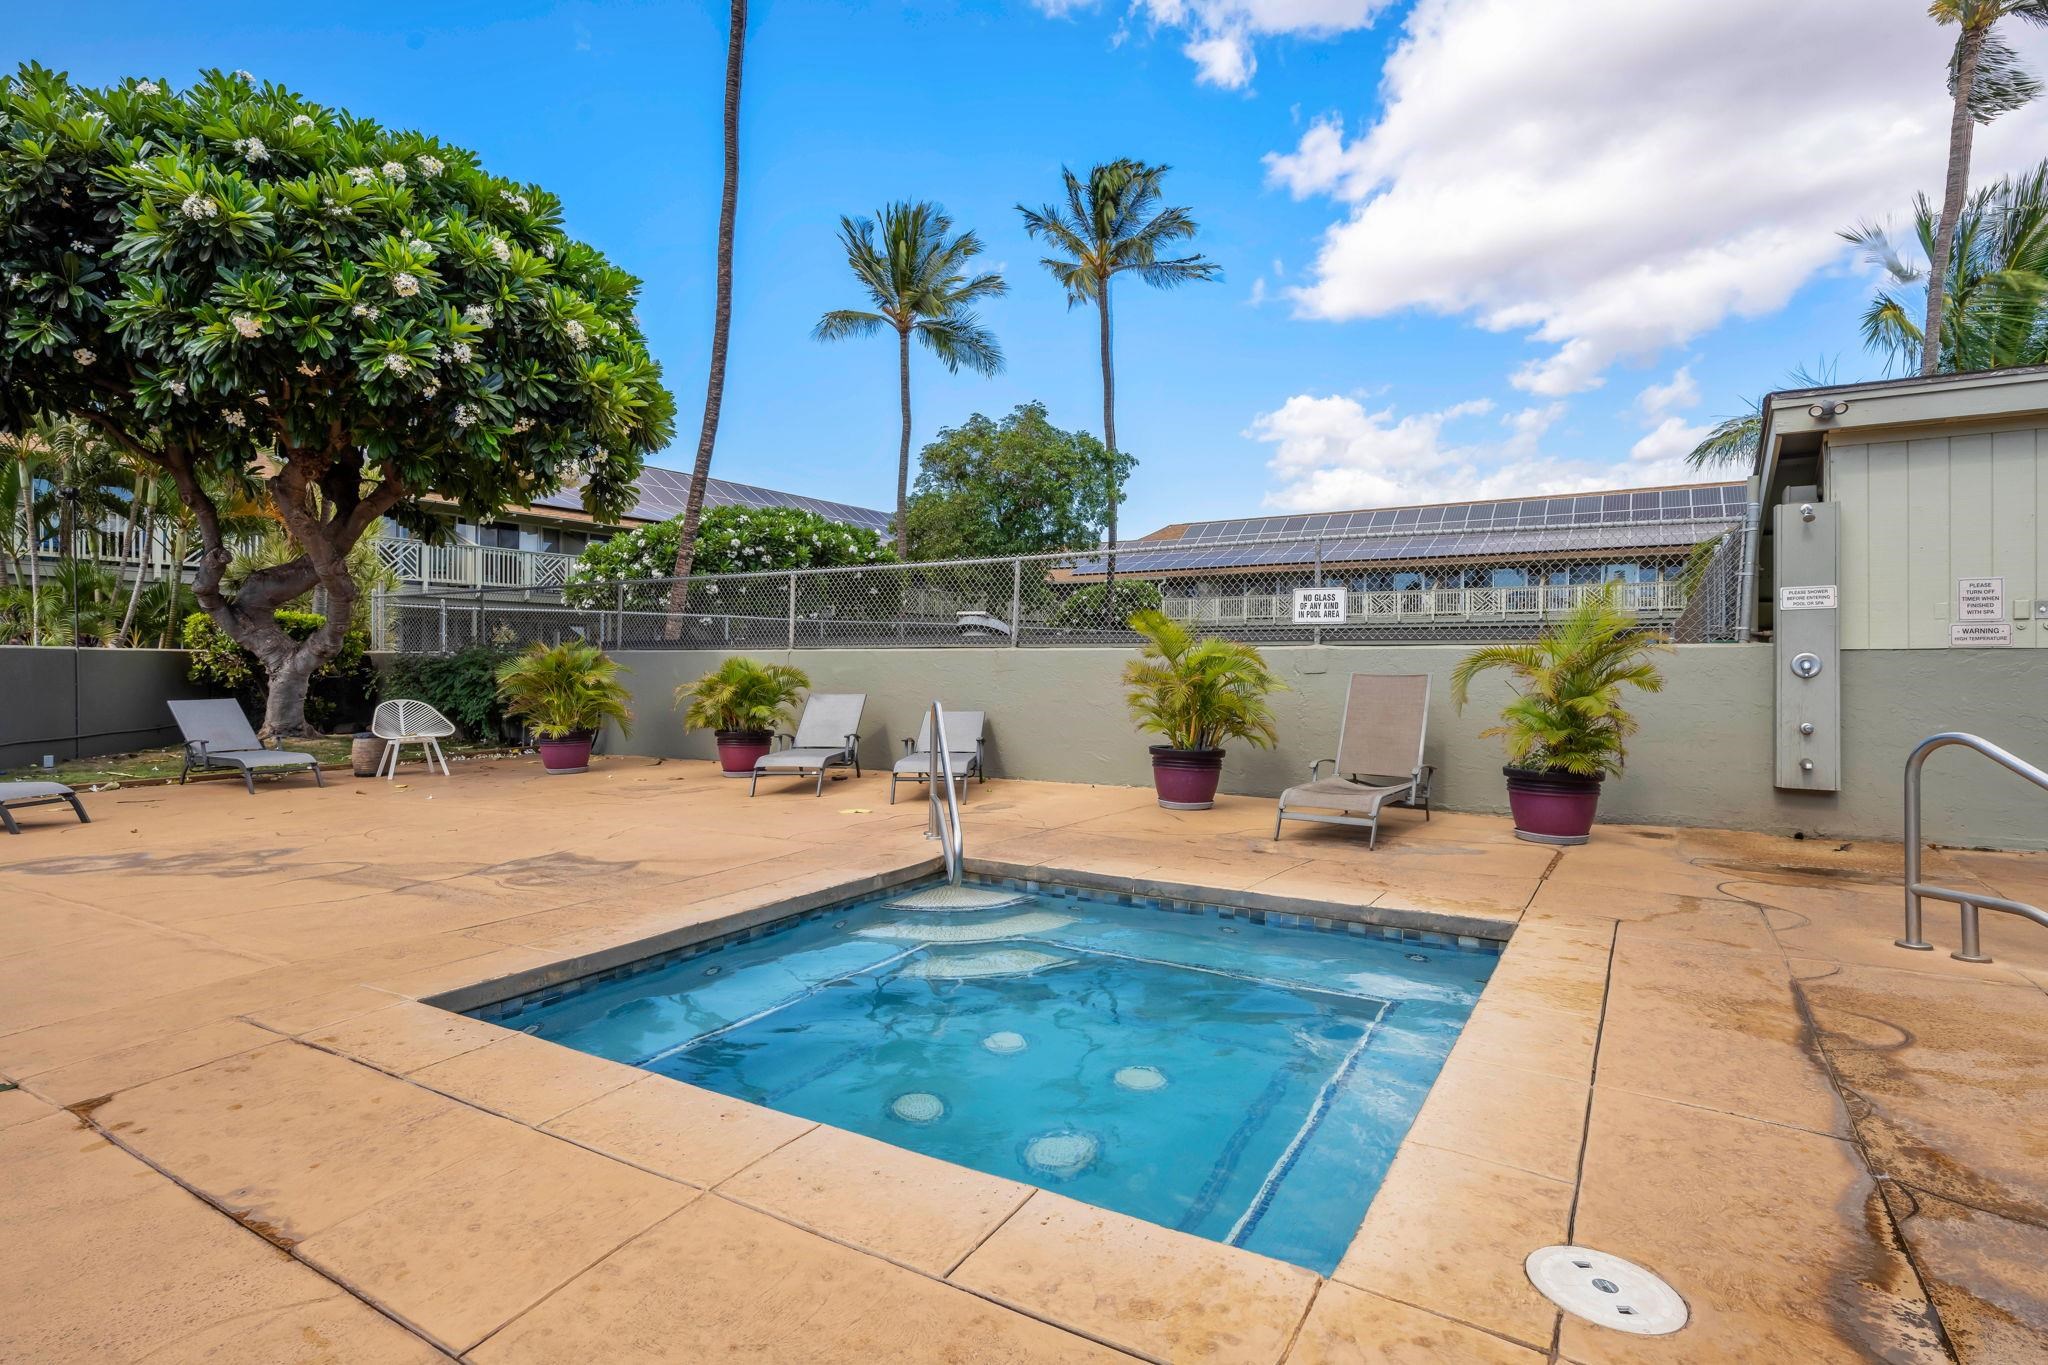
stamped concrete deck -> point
(238, 1135)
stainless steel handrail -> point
(945, 810)
(1970, 901)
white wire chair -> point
(404, 721)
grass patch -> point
(148, 766)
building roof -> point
(662, 493)
(1671, 517)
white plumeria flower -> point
(430, 166)
(198, 207)
(431, 390)
(77, 245)
(302, 120)
(578, 337)
(243, 76)
(248, 326)
(252, 149)
(524, 424)
(84, 356)
(461, 351)
(308, 369)
(517, 201)
(478, 313)
(262, 400)
(176, 386)
(148, 88)
(16, 278)
(394, 171)
(362, 175)
(502, 249)
(404, 285)
(397, 364)
(233, 417)
(465, 415)
(547, 249)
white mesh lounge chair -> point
(403, 721)
(1379, 757)
(19, 794)
(963, 741)
(827, 736)
(217, 735)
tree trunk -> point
(1962, 129)
(903, 446)
(721, 322)
(1109, 440)
(35, 573)
(176, 578)
(121, 636)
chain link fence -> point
(1684, 578)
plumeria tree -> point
(249, 291)
(733, 539)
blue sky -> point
(1496, 205)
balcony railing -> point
(1421, 606)
(462, 565)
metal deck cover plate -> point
(1605, 1289)
(959, 898)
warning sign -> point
(1319, 606)
(1815, 597)
(1979, 634)
(1980, 599)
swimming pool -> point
(1239, 1076)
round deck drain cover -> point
(958, 898)
(1140, 1078)
(1606, 1289)
(1005, 1043)
(918, 1107)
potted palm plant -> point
(1197, 692)
(1566, 727)
(565, 693)
(741, 702)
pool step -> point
(969, 966)
(975, 931)
(959, 898)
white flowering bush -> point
(732, 539)
(244, 288)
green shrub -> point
(1083, 610)
(462, 686)
(565, 689)
(338, 696)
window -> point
(499, 535)
(558, 541)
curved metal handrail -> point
(1970, 901)
(945, 810)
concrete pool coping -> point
(239, 1033)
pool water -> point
(1243, 1081)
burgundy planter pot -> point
(1186, 778)
(740, 750)
(1552, 807)
(569, 754)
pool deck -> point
(239, 1136)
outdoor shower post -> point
(1016, 600)
(444, 625)
(792, 611)
(619, 622)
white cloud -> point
(1675, 394)
(1613, 177)
(1333, 452)
(1221, 33)
(1258, 294)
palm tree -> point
(1994, 297)
(721, 315)
(916, 276)
(1985, 79)
(1108, 226)
(1733, 440)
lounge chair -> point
(19, 794)
(1379, 757)
(402, 722)
(217, 735)
(827, 736)
(964, 751)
